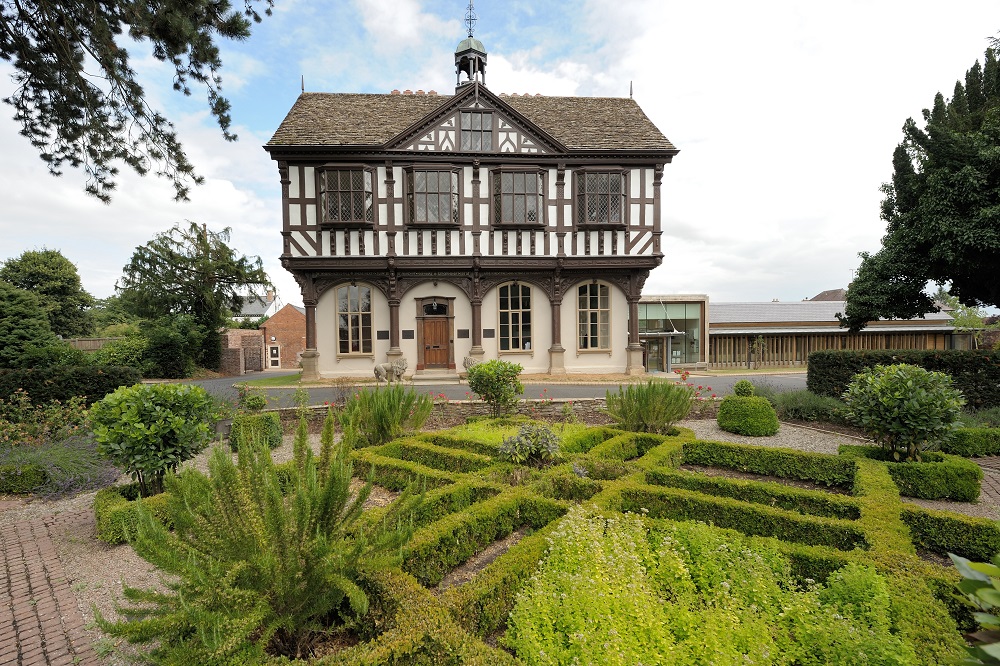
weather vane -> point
(471, 18)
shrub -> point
(117, 515)
(23, 423)
(982, 418)
(936, 476)
(975, 372)
(807, 406)
(979, 587)
(944, 532)
(831, 470)
(253, 572)
(904, 408)
(68, 465)
(973, 442)
(127, 351)
(91, 382)
(265, 427)
(651, 407)
(743, 388)
(149, 429)
(250, 398)
(534, 444)
(18, 478)
(373, 417)
(752, 416)
(496, 382)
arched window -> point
(594, 316)
(354, 320)
(515, 317)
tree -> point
(77, 99)
(965, 318)
(55, 281)
(191, 270)
(942, 208)
(24, 328)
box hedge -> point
(973, 442)
(16, 479)
(938, 476)
(116, 511)
(944, 532)
(64, 382)
(749, 415)
(439, 457)
(975, 372)
(396, 474)
(263, 424)
(785, 463)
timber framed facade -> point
(452, 229)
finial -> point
(303, 83)
(630, 90)
(471, 18)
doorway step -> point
(432, 377)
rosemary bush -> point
(375, 416)
(651, 407)
(253, 571)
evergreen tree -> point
(941, 209)
(55, 281)
(77, 98)
(24, 328)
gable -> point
(475, 121)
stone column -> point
(477, 352)
(394, 351)
(635, 366)
(557, 353)
(310, 357)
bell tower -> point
(470, 56)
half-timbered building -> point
(446, 229)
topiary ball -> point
(744, 388)
(752, 416)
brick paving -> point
(40, 622)
(990, 493)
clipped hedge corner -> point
(116, 511)
(752, 416)
(20, 479)
(939, 476)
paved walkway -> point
(40, 622)
(991, 479)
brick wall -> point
(288, 327)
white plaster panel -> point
(337, 243)
(325, 240)
(650, 218)
(383, 213)
(633, 179)
(310, 214)
(380, 177)
(397, 175)
(383, 241)
(552, 175)
(634, 214)
(467, 180)
(467, 214)
(648, 174)
(622, 237)
(398, 215)
(301, 239)
(552, 216)
(643, 236)
(355, 242)
(484, 214)
(310, 182)
(294, 190)
(294, 215)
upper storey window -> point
(477, 130)
(347, 196)
(600, 198)
(433, 197)
(517, 198)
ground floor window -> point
(594, 316)
(515, 317)
(354, 320)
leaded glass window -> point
(600, 198)
(433, 197)
(517, 198)
(347, 196)
(354, 320)
(594, 316)
(477, 130)
(515, 317)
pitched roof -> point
(722, 314)
(830, 295)
(580, 123)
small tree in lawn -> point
(496, 382)
(150, 429)
(904, 408)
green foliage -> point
(903, 408)
(70, 465)
(599, 597)
(24, 326)
(785, 463)
(191, 271)
(973, 442)
(944, 532)
(372, 417)
(982, 418)
(975, 373)
(935, 476)
(250, 398)
(18, 478)
(117, 514)
(751, 415)
(149, 429)
(24, 423)
(91, 112)
(585, 440)
(651, 407)
(175, 345)
(807, 406)
(944, 180)
(263, 427)
(438, 457)
(979, 586)
(127, 351)
(534, 444)
(55, 281)
(251, 571)
(45, 385)
(744, 388)
(496, 382)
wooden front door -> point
(436, 351)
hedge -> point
(751, 519)
(975, 372)
(808, 502)
(116, 511)
(244, 426)
(396, 474)
(432, 455)
(584, 441)
(785, 463)
(564, 484)
(973, 442)
(939, 476)
(627, 446)
(64, 382)
(438, 503)
(19, 479)
(749, 415)
(463, 443)
(943, 532)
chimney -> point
(395, 92)
(269, 297)
(407, 92)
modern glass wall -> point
(681, 322)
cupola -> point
(470, 55)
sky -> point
(785, 113)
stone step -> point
(432, 378)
